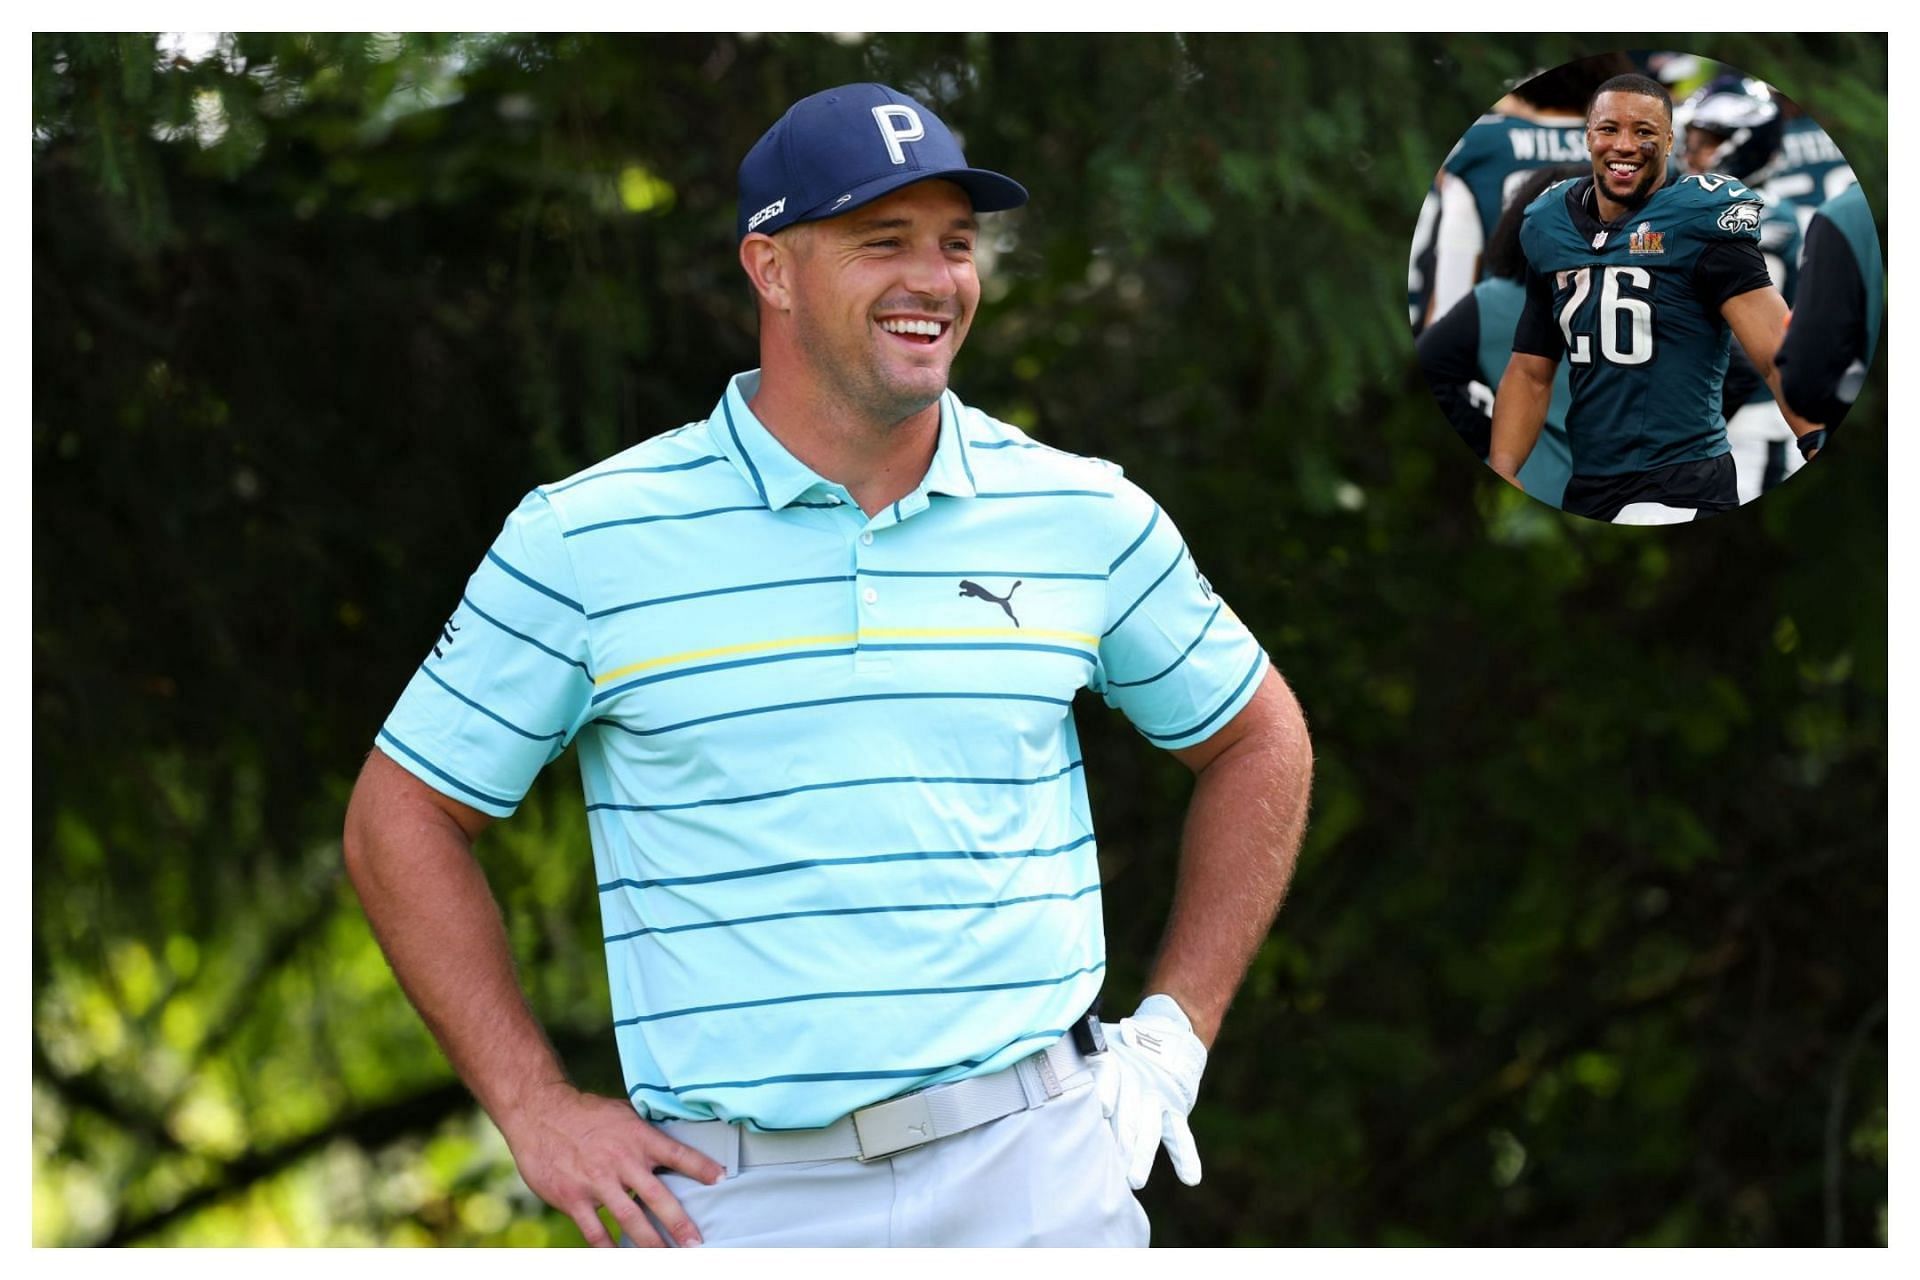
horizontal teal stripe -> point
(943, 648)
(1134, 546)
(812, 1077)
(636, 471)
(484, 616)
(442, 774)
(1005, 444)
(719, 591)
(889, 993)
(1258, 658)
(806, 1077)
(676, 515)
(994, 905)
(544, 590)
(865, 859)
(833, 786)
(1169, 668)
(978, 573)
(604, 694)
(834, 702)
(1047, 493)
(488, 712)
(1177, 557)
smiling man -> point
(818, 652)
(1638, 280)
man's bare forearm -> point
(409, 851)
(1243, 829)
(436, 919)
(1799, 425)
(1759, 322)
(1519, 413)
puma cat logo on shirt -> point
(979, 592)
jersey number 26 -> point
(1616, 305)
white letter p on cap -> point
(898, 124)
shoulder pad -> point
(1473, 143)
(1720, 206)
(1546, 199)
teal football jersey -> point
(1637, 306)
(1497, 152)
(1810, 170)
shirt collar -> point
(950, 472)
(762, 461)
(781, 479)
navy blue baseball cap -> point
(841, 148)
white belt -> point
(898, 1124)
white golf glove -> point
(1147, 1081)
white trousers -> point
(1050, 1176)
(1751, 431)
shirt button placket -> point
(865, 661)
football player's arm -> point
(1735, 273)
(1526, 388)
(1449, 357)
(408, 852)
(1519, 412)
(1458, 242)
(1243, 828)
(1420, 262)
(1758, 319)
(1828, 330)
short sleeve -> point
(1729, 268)
(1174, 658)
(507, 682)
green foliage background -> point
(1588, 940)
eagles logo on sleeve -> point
(1744, 216)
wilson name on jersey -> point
(1497, 152)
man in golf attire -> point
(818, 652)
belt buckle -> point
(889, 1127)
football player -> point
(1732, 127)
(1637, 279)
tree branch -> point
(1837, 1114)
(369, 1128)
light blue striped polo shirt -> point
(839, 823)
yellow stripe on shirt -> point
(871, 633)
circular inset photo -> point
(1645, 288)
